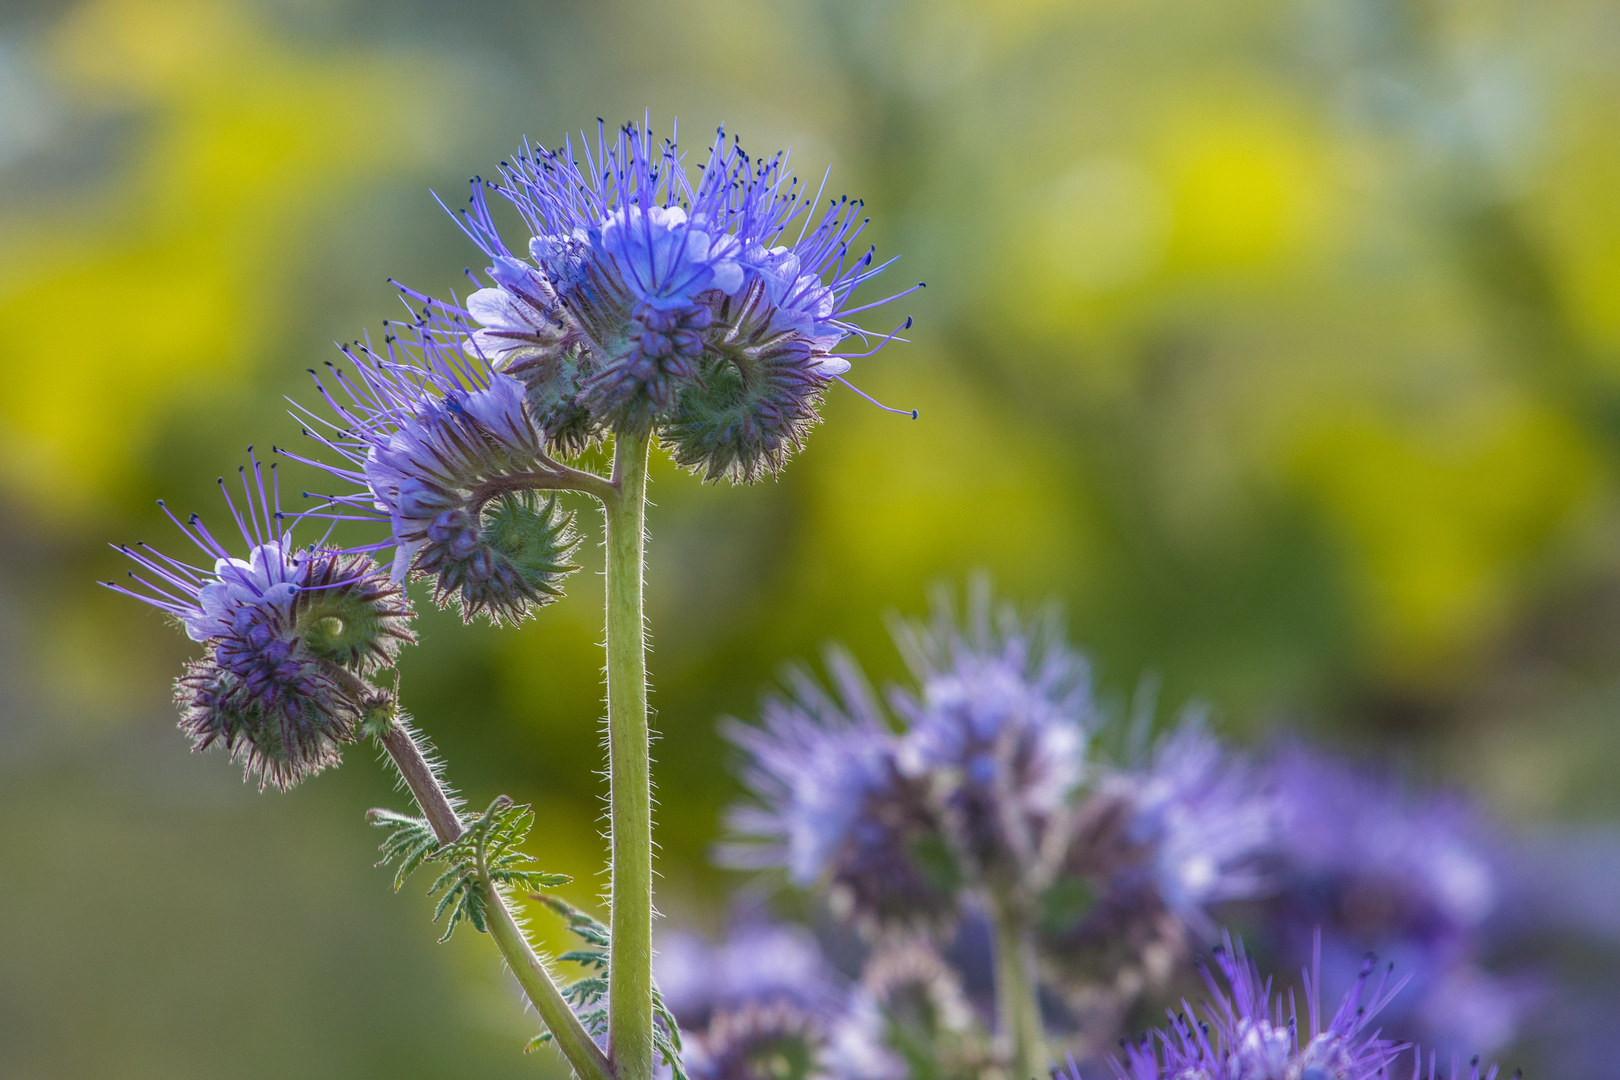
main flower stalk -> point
(1018, 1009)
(630, 1001)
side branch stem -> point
(630, 1012)
(402, 747)
(558, 478)
(570, 1035)
(582, 1053)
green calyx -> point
(552, 384)
(523, 557)
(349, 615)
(534, 537)
(747, 413)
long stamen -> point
(886, 408)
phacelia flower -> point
(765, 1004)
(997, 730)
(1377, 867)
(710, 309)
(1244, 1032)
(834, 808)
(1192, 827)
(1152, 851)
(443, 450)
(288, 630)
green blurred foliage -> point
(1280, 339)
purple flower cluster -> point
(765, 1003)
(1376, 866)
(710, 309)
(707, 310)
(973, 792)
(289, 632)
(1244, 1032)
(973, 795)
(982, 784)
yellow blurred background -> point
(1279, 339)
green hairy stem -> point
(1018, 1010)
(630, 1003)
(582, 1053)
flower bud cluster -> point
(290, 632)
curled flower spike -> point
(710, 310)
(1243, 1032)
(998, 730)
(833, 806)
(444, 451)
(288, 633)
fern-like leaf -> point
(488, 849)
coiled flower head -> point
(444, 451)
(289, 632)
(645, 299)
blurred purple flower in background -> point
(1378, 867)
(981, 794)
(1206, 818)
(764, 1002)
(832, 805)
(997, 729)
(1154, 850)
